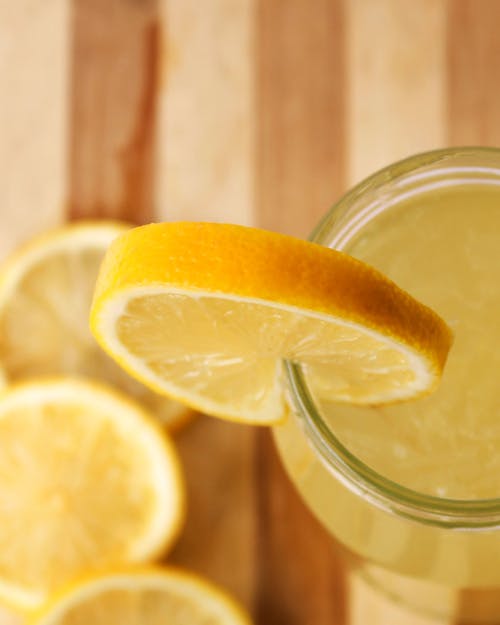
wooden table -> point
(250, 111)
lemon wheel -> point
(206, 313)
(150, 596)
(87, 479)
(45, 294)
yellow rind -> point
(278, 268)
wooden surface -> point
(251, 111)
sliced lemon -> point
(45, 295)
(150, 596)
(86, 480)
(206, 313)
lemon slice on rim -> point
(206, 313)
(87, 480)
(45, 294)
(149, 596)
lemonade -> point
(413, 489)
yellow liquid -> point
(444, 248)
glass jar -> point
(435, 552)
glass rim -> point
(459, 514)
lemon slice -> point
(86, 480)
(207, 313)
(45, 295)
(149, 596)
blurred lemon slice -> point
(151, 596)
(45, 295)
(206, 313)
(87, 479)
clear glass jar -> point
(436, 554)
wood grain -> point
(300, 112)
(473, 53)
(396, 58)
(206, 127)
(220, 536)
(114, 77)
(33, 117)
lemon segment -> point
(87, 480)
(149, 596)
(45, 295)
(207, 313)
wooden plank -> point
(205, 135)
(299, 172)
(396, 90)
(473, 55)
(205, 172)
(300, 112)
(33, 117)
(113, 109)
(220, 537)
